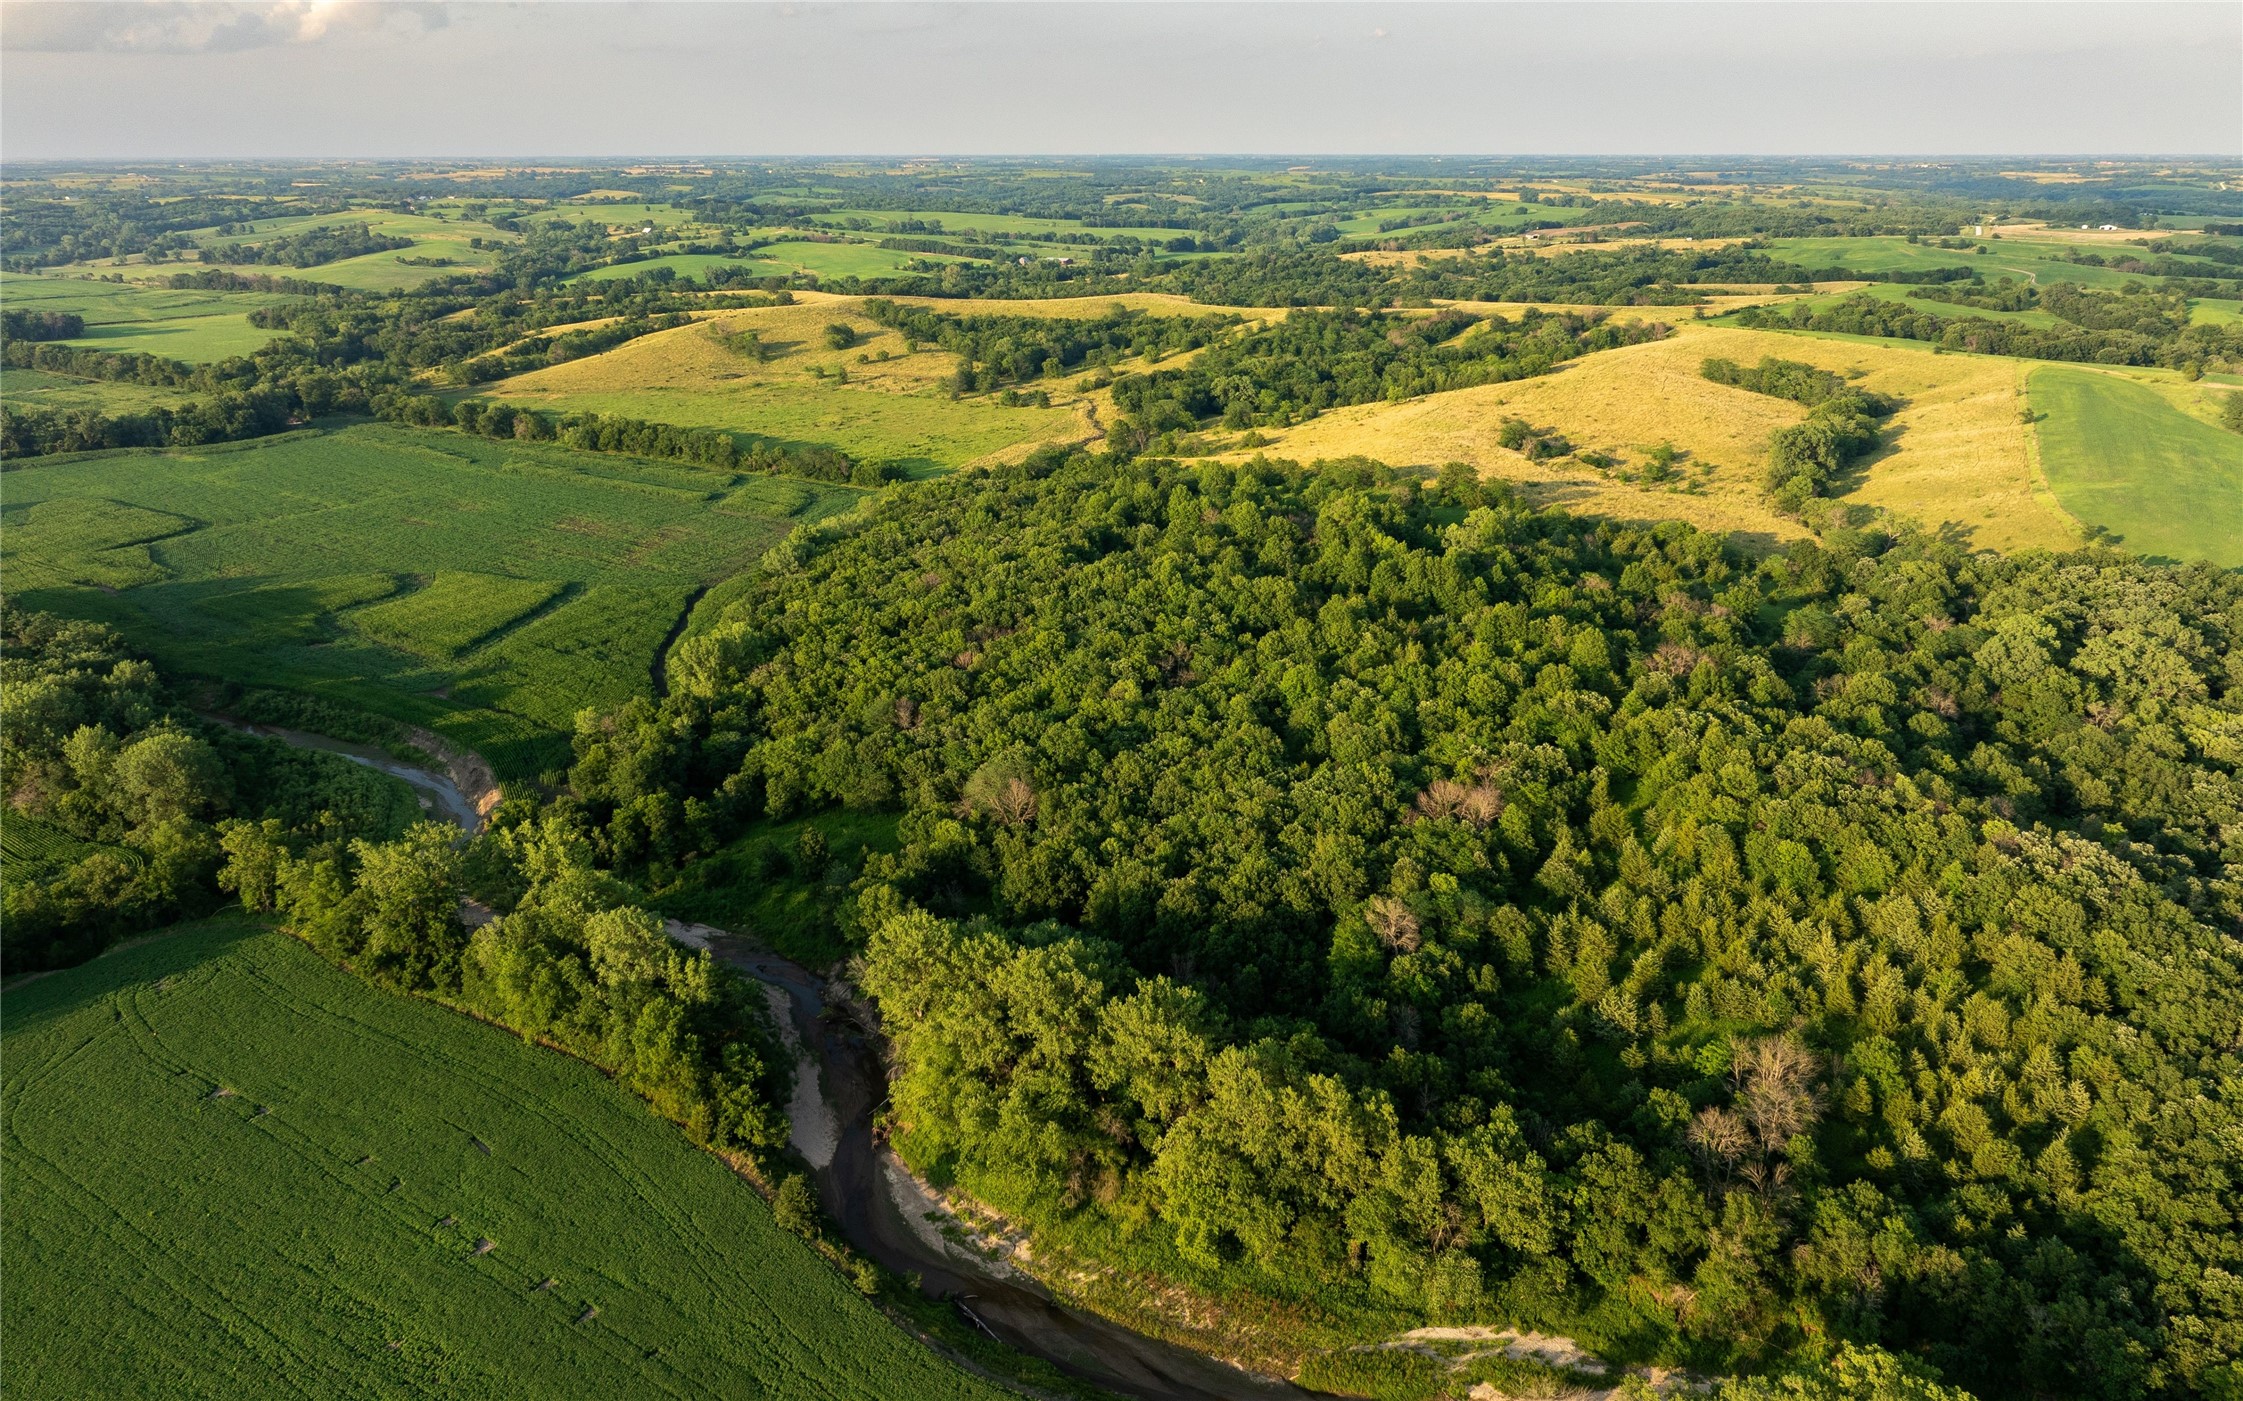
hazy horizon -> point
(147, 80)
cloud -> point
(195, 26)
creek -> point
(883, 1210)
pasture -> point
(687, 266)
(238, 1172)
(898, 410)
(2122, 455)
(2215, 311)
(1898, 293)
(2035, 256)
(448, 243)
(954, 221)
(783, 259)
(484, 590)
(128, 316)
(1958, 458)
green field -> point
(954, 221)
(34, 850)
(433, 238)
(2214, 311)
(899, 410)
(780, 260)
(1947, 311)
(2120, 455)
(486, 590)
(621, 214)
(179, 325)
(2015, 255)
(38, 389)
(690, 266)
(235, 1171)
(1497, 215)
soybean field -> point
(236, 1172)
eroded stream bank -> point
(443, 793)
(883, 1211)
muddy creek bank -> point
(883, 1210)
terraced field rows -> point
(485, 590)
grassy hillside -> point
(2122, 456)
(238, 1172)
(1958, 455)
(486, 590)
(895, 409)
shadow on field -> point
(142, 960)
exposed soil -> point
(892, 1216)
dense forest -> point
(1355, 887)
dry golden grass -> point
(1058, 308)
(1960, 454)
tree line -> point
(308, 249)
(2138, 329)
(616, 433)
(571, 958)
(1805, 458)
(994, 349)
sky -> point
(147, 79)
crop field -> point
(897, 410)
(453, 613)
(2123, 456)
(31, 849)
(1959, 455)
(485, 590)
(237, 1172)
(179, 325)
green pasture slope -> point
(2013, 255)
(2119, 455)
(781, 260)
(179, 325)
(237, 1172)
(486, 590)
